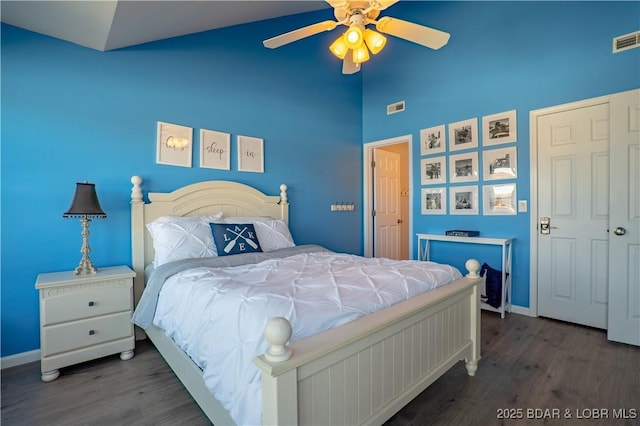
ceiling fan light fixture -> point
(357, 42)
(339, 48)
(375, 41)
(354, 36)
(361, 54)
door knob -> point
(399, 220)
(545, 226)
(620, 231)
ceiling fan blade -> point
(375, 4)
(298, 34)
(348, 66)
(383, 4)
(337, 3)
(425, 36)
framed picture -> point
(434, 200)
(499, 128)
(215, 150)
(463, 167)
(250, 154)
(173, 146)
(463, 134)
(432, 140)
(500, 163)
(463, 199)
(499, 199)
(433, 170)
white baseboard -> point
(19, 359)
(521, 310)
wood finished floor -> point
(527, 363)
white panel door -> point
(573, 193)
(624, 224)
(386, 177)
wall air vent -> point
(395, 107)
(625, 42)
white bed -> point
(362, 372)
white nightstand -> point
(84, 317)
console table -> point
(505, 243)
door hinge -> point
(373, 163)
(373, 213)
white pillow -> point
(176, 238)
(273, 234)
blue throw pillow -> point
(232, 238)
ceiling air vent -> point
(625, 42)
(396, 107)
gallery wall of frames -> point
(462, 160)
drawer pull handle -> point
(92, 332)
(91, 303)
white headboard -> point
(210, 197)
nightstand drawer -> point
(86, 304)
(79, 334)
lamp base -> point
(85, 267)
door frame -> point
(533, 187)
(368, 189)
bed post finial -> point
(278, 333)
(136, 191)
(283, 193)
(473, 266)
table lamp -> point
(85, 205)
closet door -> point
(624, 222)
(573, 213)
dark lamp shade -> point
(85, 202)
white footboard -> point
(365, 371)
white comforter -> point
(218, 315)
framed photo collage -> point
(451, 182)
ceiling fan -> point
(354, 45)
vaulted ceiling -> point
(112, 24)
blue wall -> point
(501, 56)
(71, 114)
